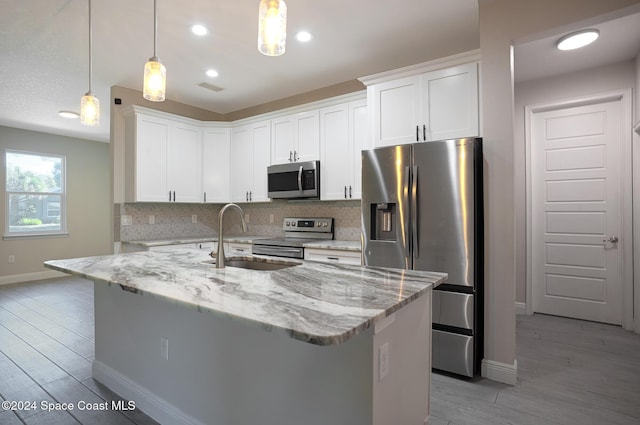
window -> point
(35, 195)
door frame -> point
(626, 162)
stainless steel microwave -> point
(294, 180)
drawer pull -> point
(333, 258)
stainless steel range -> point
(297, 232)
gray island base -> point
(310, 344)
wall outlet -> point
(194, 218)
(126, 220)
(152, 219)
(383, 361)
(164, 347)
(271, 218)
(12, 259)
(246, 218)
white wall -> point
(88, 205)
(563, 87)
(501, 23)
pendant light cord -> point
(155, 28)
(90, 43)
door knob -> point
(612, 239)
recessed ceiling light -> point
(578, 39)
(68, 114)
(212, 73)
(304, 36)
(199, 29)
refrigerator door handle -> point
(414, 211)
(405, 195)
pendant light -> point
(272, 27)
(155, 74)
(89, 104)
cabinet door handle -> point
(424, 132)
(290, 156)
(417, 133)
(205, 197)
(246, 196)
(350, 195)
(345, 192)
(250, 197)
(295, 156)
(174, 196)
(169, 196)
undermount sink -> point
(254, 263)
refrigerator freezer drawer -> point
(453, 353)
(453, 309)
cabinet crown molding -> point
(419, 68)
(132, 109)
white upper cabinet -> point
(216, 164)
(146, 159)
(295, 138)
(250, 149)
(450, 102)
(184, 171)
(162, 159)
(396, 111)
(343, 135)
(433, 105)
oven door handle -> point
(300, 179)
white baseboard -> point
(521, 308)
(157, 408)
(29, 277)
(500, 372)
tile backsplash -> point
(151, 221)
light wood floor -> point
(570, 371)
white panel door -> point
(184, 172)
(576, 212)
(216, 160)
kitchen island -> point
(313, 343)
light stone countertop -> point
(321, 244)
(319, 303)
(188, 240)
(334, 244)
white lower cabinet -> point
(333, 256)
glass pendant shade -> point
(272, 27)
(155, 80)
(90, 110)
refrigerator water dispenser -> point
(382, 222)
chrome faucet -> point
(220, 253)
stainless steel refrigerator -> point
(422, 209)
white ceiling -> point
(44, 51)
(619, 41)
